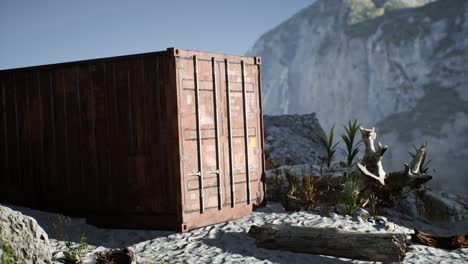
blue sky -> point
(41, 32)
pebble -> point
(390, 227)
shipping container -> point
(162, 140)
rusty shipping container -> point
(169, 139)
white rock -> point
(28, 240)
(390, 227)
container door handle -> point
(194, 173)
(213, 171)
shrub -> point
(73, 253)
(352, 148)
(310, 192)
(351, 194)
(374, 203)
(330, 147)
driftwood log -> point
(331, 241)
(372, 180)
(445, 242)
(389, 186)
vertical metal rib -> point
(215, 106)
(199, 139)
(18, 150)
(7, 159)
(41, 122)
(246, 132)
(231, 162)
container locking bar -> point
(231, 162)
(246, 131)
(215, 106)
(199, 139)
(194, 173)
(213, 171)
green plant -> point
(424, 165)
(293, 186)
(73, 253)
(351, 194)
(7, 256)
(302, 194)
(330, 147)
(310, 191)
(352, 148)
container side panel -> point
(12, 139)
(88, 176)
(161, 135)
(136, 156)
(65, 124)
(49, 180)
(165, 169)
(150, 126)
(112, 133)
(176, 183)
(99, 129)
(58, 98)
(169, 175)
(30, 140)
(23, 157)
(35, 138)
(77, 193)
(121, 139)
(4, 170)
(142, 178)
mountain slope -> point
(398, 65)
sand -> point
(229, 242)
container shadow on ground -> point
(109, 238)
(241, 243)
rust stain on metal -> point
(169, 139)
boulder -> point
(362, 213)
(293, 139)
(444, 206)
(26, 241)
(341, 209)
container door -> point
(243, 148)
(220, 127)
(199, 95)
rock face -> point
(293, 139)
(397, 65)
(25, 238)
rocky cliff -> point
(400, 66)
